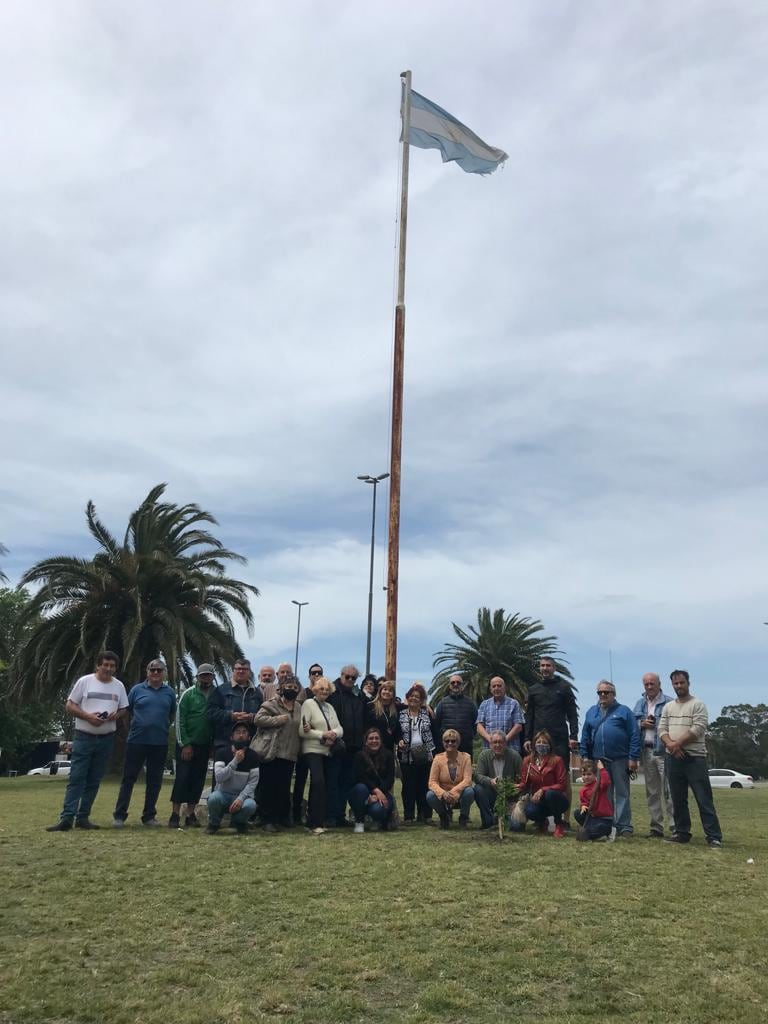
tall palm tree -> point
(3, 551)
(160, 592)
(500, 645)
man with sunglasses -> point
(152, 707)
(300, 779)
(610, 734)
(350, 709)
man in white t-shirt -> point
(96, 701)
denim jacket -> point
(641, 710)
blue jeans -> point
(218, 806)
(466, 800)
(358, 799)
(618, 769)
(597, 828)
(552, 804)
(691, 772)
(90, 754)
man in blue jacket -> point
(610, 734)
(647, 715)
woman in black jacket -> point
(381, 713)
(375, 777)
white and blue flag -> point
(434, 128)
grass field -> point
(416, 926)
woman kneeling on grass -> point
(543, 781)
(320, 728)
(450, 781)
(375, 777)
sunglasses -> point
(156, 670)
(316, 672)
(451, 743)
(604, 693)
(350, 677)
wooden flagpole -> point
(393, 554)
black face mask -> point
(290, 693)
(241, 744)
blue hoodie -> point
(617, 737)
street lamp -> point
(299, 605)
(375, 480)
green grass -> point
(417, 926)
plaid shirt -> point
(501, 716)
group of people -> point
(351, 738)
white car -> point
(729, 779)
(53, 768)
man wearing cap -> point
(151, 705)
(193, 745)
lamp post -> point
(375, 480)
(299, 605)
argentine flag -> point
(434, 128)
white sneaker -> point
(318, 831)
(117, 823)
(359, 828)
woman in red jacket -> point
(543, 782)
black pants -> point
(274, 793)
(692, 772)
(190, 775)
(415, 783)
(316, 764)
(136, 756)
(299, 783)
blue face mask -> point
(542, 748)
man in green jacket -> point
(495, 762)
(193, 745)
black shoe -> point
(85, 823)
(241, 830)
(567, 827)
(463, 822)
(272, 829)
(174, 821)
(714, 844)
(680, 840)
(653, 834)
(445, 822)
(60, 826)
(485, 828)
(212, 830)
(191, 821)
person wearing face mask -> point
(277, 731)
(543, 785)
(237, 775)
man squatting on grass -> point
(229, 719)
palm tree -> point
(3, 551)
(500, 645)
(160, 592)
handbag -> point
(418, 754)
(264, 744)
(338, 746)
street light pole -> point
(375, 480)
(299, 605)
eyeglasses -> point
(242, 668)
(353, 678)
(451, 743)
(316, 672)
(156, 669)
(605, 693)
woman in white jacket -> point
(319, 730)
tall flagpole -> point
(393, 555)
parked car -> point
(728, 778)
(53, 768)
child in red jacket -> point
(598, 822)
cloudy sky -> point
(197, 253)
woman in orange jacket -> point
(450, 781)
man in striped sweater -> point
(194, 734)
